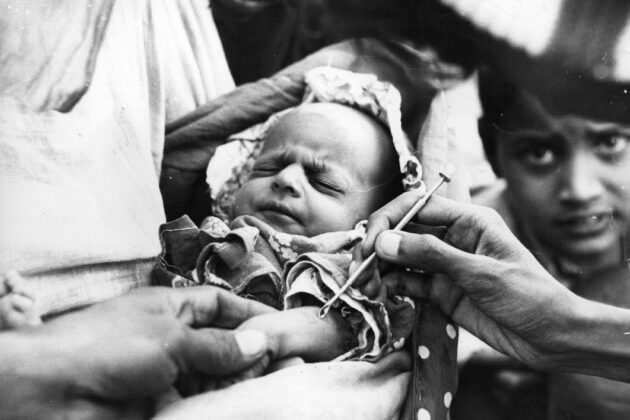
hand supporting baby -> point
(294, 336)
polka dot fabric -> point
(434, 380)
(436, 375)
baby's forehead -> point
(337, 114)
(330, 109)
(333, 135)
(328, 120)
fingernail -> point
(389, 243)
(251, 343)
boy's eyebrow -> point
(597, 128)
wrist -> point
(565, 342)
(595, 341)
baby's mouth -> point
(279, 211)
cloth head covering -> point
(231, 164)
(557, 49)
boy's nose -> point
(288, 181)
(580, 181)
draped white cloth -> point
(86, 89)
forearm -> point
(300, 332)
(596, 341)
(31, 373)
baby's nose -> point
(288, 181)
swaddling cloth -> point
(253, 260)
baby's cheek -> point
(346, 214)
(242, 201)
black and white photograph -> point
(315, 209)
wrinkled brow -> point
(312, 162)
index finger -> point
(438, 211)
(386, 217)
(209, 306)
(441, 211)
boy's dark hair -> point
(498, 97)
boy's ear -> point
(488, 139)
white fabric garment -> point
(312, 391)
(79, 200)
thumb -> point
(423, 251)
(216, 352)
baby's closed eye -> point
(326, 185)
(264, 169)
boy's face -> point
(568, 177)
(323, 168)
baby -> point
(324, 167)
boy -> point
(567, 197)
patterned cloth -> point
(251, 259)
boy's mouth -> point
(585, 224)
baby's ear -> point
(488, 135)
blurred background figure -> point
(556, 128)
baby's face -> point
(323, 168)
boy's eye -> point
(539, 156)
(611, 145)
